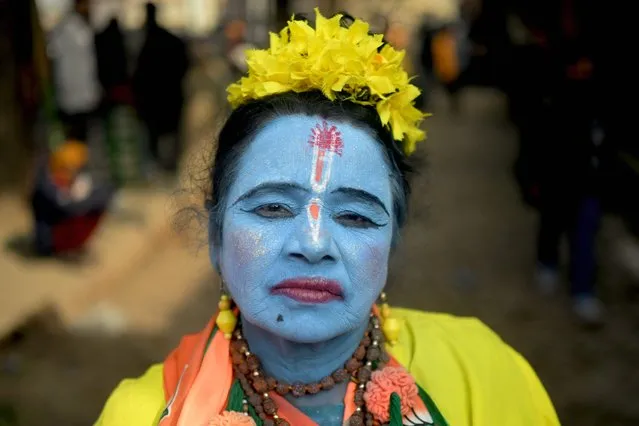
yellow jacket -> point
(474, 377)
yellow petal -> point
(380, 85)
(384, 111)
(409, 146)
(274, 42)
(284, 35)
(270, 88)
(392, 55)
(367, 47)
(398, 125)
(300, 32)
(338, 85)
(357, 32)
(326, 28)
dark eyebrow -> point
(270, 187)
(362, 196)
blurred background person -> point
(123, 131)
(68, 203)
(562, 139)
(445, 51)
(75, 73)
(112, 64)
(158, 90)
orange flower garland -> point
(385, 382)
(231, 418)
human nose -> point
(313, 241)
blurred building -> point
(409, 13)
(263, 16)
(185, 17)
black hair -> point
(248, 119)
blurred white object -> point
(628, 256)
(237, 56)
(81, 188)
(547, 280)
(75, 74)
(103, 318)
(589, 310)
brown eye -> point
(274, 211)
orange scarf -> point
(198, 376)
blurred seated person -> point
(67, 203)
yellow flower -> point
(335, 60)
(357, 32)
(327, 28)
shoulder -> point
(465, 333)
(472, 374)
(138, 401)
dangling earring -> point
(390, 324)
(226, 319)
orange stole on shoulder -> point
(198, 377)
(184, 386)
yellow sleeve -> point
(136, 402)
(538, 393)
(474, 378)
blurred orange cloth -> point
(235, 31)
(445, 59)
(67, 160)
(581, 70)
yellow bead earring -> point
(390, 324)
(226, 319)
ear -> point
(214, 256)
(214, 246)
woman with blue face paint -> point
(309, 193)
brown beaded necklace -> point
(369, 356)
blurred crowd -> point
(104, 119)
(91, 98)
(553, 60)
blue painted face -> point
(307, 229)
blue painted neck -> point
(301, 362)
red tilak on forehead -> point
(327, 138)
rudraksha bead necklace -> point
(368, 357)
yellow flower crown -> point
(344, 63)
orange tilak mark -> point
(314, 209)
(319, 166)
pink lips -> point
(309, 290)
